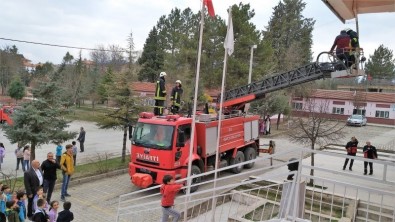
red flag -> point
(210, 7)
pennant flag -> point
(229, 40)
(210, 7)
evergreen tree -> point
(381, 64)
(40, 121)
(151, 59)
(290, 35)
(105, 85)
(16, 90)
(127, 110)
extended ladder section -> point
(255, 90)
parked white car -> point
(356, 120)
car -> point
(356, 120)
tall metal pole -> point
(247, 106)
(192, 146)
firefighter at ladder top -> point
(175, 97)
(160, 94)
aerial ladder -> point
(327, 65)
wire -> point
(61, 46)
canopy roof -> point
(349, 9)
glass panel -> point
(153, 136)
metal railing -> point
(330, 194)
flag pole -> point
(189, 181)
(220, 116)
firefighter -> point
(175, 97)
(354, 41)
(160, 94)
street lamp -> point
(247, 106)
(252, 56)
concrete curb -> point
(78, 181)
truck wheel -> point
(195, 171)
(238, 159)
(249, 154)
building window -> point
(297, 106)
(337, 110)
(382, 114)
(359, 112)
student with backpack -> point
(40, 215)
(12, 211)
(66, 215)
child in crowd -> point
(3, 199)
(75, 150)
(40, 215)
(12, 211)
(169, 189)
(39, 195)
(59, 149)
(66, 215)
(7, 192)
(21, 197)
(53, 211)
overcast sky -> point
(88, 23)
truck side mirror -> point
(181, 139)
(130, 132)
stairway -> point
(374, 212)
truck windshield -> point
(153, 135)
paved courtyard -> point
(97, 200)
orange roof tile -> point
(349, 95)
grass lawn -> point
(87, 113)
(84, 170)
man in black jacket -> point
(81, 139)
(351, 148)
(33, 179)
(49, 167)
(369, 152)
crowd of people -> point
(39, 183)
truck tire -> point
(250, 154)
(195, 171)
(238, 159)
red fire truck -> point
(5, 114)
(161, 144)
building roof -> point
(349, 95)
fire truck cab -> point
(161, 145)
(5, 114)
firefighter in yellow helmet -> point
(160, 94)
(175, 97)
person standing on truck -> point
(351, 148)
(160, 95)
(342, 44)
(175, 97)
(169, 190)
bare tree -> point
(315, 129)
